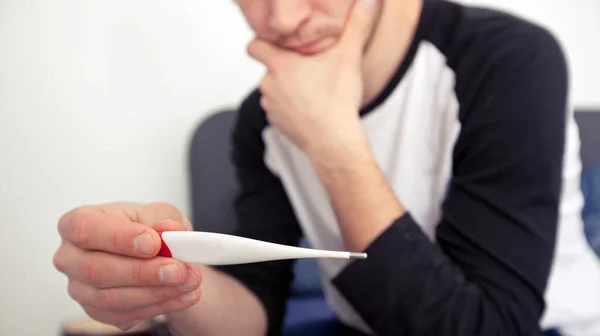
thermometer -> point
(210, 248)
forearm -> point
(416, 285)
(364, 202)
(226, 307)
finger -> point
(125, 320)
(128, 298)
(159, 211)
(94, 228)
(106, 270)
(264, 104)
(265, 52)
(266, 90)
(147, 214)
(169, 225)
(358, 25)
(267, 105)
(266, 86)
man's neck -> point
(389, 45)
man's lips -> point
(305, 48)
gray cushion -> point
(213, 185)
(589, 124)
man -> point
(435, 137)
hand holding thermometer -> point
(210, 248)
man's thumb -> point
(263, 52)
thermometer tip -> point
(358, 255)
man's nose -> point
(288, 15)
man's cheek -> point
(335, 9)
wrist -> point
(341, 156)
(339, 146)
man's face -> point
(304, 26)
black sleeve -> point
(263, 212)
(487, 270)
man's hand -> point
(315, 100)
(108, 254)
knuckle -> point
(123, 326)
(166, 293)
(100, 315)
(251, 47)
(264, 104)
(172, 305)
(275, 62)
(94, 313)
(277, 65)
(200, 277)
(136, 272)
(115, 241)
(91, 272)
(107, 299)
(198, 295)
(160, 212)
(136, 315)
(178, 304)
(166, 209)
(64, 222)
(188, 225)
(163, 205)
(58, 260)
(268, 116)
(79, 228)
(263, 85)
(74, 291)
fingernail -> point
(369, 4)
(169, 275)
(190, 283)
(188, 297)
(143, 244)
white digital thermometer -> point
(210, 248)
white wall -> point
(97, 102)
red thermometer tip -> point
(164, 249)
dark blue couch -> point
(589, 125)
(213, 188)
